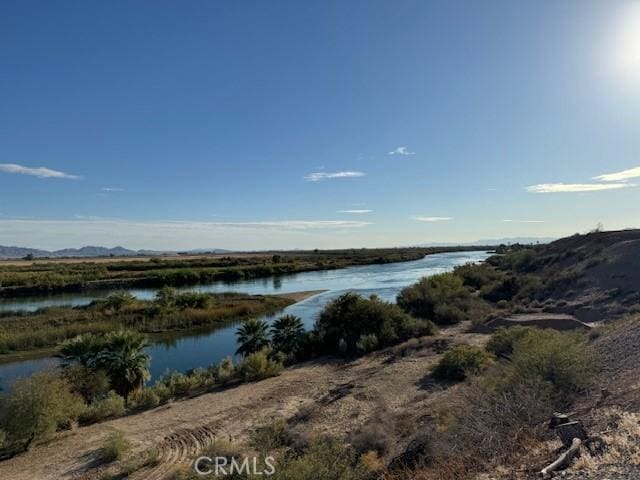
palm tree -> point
(125, 360)
(253, 336)
(286, 333)
(82, 349)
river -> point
(184, 353)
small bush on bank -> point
(367, 343)
(376, 434)
(269, 438)
(182, 384)
(492, 424)
(503, 340)
(113, 405)
(442, 298)
(224, 371)
(478, 276)
(351, 320)
(258, 366)
(114, 447)
(143, 399)
(462, 362)
(323, 459)
(564, 360)
(89, 383)
(38, 406)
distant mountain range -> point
(90, 251)
(93, 251)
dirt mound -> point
(556, 321)
(593, 277)
(619, 357)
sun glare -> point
(625, 50)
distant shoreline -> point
(43, 277)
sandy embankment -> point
(339, 397)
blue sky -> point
(288, 124)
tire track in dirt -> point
(178, 449)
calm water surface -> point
(194, 351)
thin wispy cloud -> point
(319, 176)
(40, 172)
(619, 176)
(112, 189)
(356, 211)
(401, 151)
(275, 224)
(432, 219)
(576, 187)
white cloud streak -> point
(112, 189)
(619, 176)
(40, 172)
(401, 151)
(356, 212)
(576, 187)
(319, 176)
(432, 219)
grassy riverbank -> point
(169, 313)
(36, 277)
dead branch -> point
(563, 460)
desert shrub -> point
(113, 405)
(461, 362)
(367, 343)
(224, 371)
(503, 339)
(478, 276)
(492, 424)
(564, 360)
(267, 439)
(38, 406)
(91, 384)
(143, 399)
(3, 439)
(324, 459)
(350, 318)
(193, 300)
(165, 297)
(181, 384)
(503, 290)
(442, 298)
(375, 435)
(449, 314)
(162, 391)
(522, 260)
(502, 304)
(258, 366)
(114, 447)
